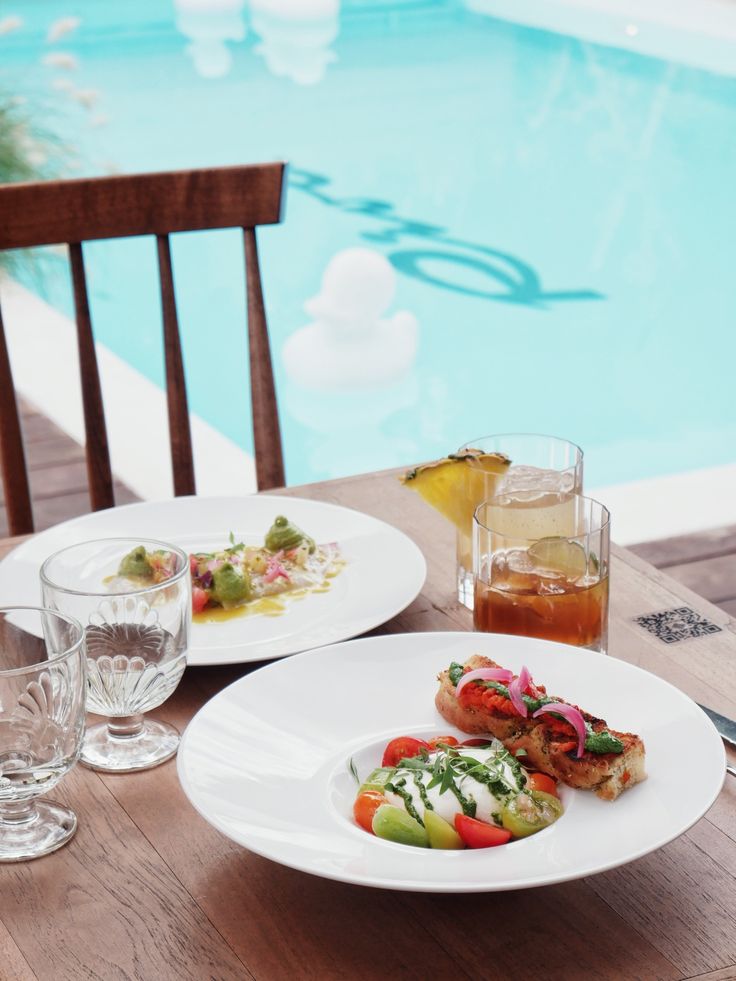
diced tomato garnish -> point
(200, 598)
(444, 740)
(193, 565)
(402, 748)
(540, 781)
(566, 747)
(480, 834)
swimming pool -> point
(559, 214)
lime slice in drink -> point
(561, 555)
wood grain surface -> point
(148, 890)
(48, 212)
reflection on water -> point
(296, 36)
(209, 24)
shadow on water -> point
(437, 255)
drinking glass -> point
(137, 636)
(42, 688)
(542, 571)
(542, 467)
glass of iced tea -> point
(533, 469)
(541, 570)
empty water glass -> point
(133, 597)
(42, 689)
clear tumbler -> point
(42, 691)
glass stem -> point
(125, 726)
(17, 812)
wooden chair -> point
(76, 211)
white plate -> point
(384, 569)
(266, 762)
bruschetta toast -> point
(594, 758)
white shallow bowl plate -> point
(266, 762)
(384, 569)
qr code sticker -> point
(672, 626)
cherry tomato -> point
(402, 748)
(480, 834)
(476, 742)
(444, 740)
(365, 806)
(529, 812)
(540, 781)
(199, 599)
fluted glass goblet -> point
(137, 636)
(42, 694)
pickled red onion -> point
(275, 568)
(570, 714)
(517, 687)
(484, 674)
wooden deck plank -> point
(57, 472)
(715, 579)
(682, 549)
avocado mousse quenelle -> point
(246, 578)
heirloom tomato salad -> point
(440, 793)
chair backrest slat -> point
(139, 204)
(12, 455)
(180, 436)
(266, 430)
(99, 471)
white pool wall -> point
(43, 354)
(699, 33)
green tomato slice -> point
(529, 812)
(394, 824)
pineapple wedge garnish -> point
(455, 485)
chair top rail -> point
(50, 212)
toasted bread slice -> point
(546, 742)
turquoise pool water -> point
(560, 217)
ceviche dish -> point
(241, 578)
(502, 784)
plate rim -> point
(220, 659)
(434, 886)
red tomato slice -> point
(476, 742)
(445, 740)
(479, 834)
(365, 806)
(540, 781)
(401, 748)
(199, 599)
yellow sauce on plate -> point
(268, 606)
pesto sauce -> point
(422, 790)
(468, 806)
(399, 788)
(602, 742)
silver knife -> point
(726, 727)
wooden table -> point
(147, 890)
